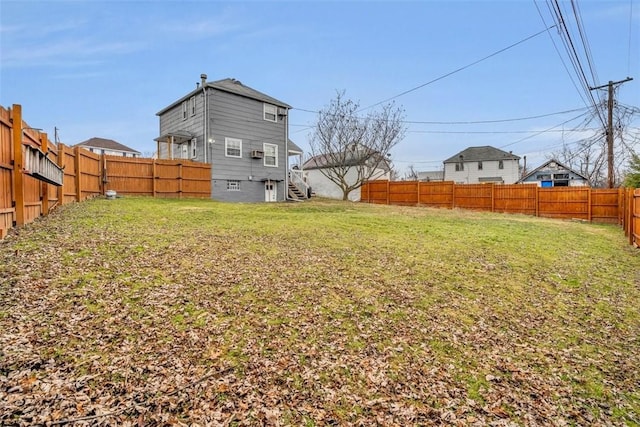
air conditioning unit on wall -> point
(257, 154)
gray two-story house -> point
(242, 132)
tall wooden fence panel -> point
(23, 197)
(6, 171)
(436, 194)
(157, 178)
(615, 206)
(564, 202)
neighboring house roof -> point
(431, 176)
(322, 161)
(106, 144)
(232, 86)
(481, 154)
(546, 165)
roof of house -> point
(431, 176)
(106, 144)
(481, 154)
(234, 86)
(546, 164)
(321, 161)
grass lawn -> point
(193, 312)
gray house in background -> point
(108, 147)
(242, 132)
(554, 174)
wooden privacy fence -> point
(617, 206)
(25, 196)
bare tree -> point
(349, 149)
(589, 155)
(411, 174)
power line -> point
(458, 69)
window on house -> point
(459, 167)
(500, 164)
(184, 110)
(270, 154)
(192, 105)
(233, 147)
(270, 113)
(479, 166)
(233, 185)
(194, 148)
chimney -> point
(203, 78)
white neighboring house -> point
(323, 187)
(477, 165)
(108, 147)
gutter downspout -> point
(286, 155)
(203, 77)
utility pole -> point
(610, 103)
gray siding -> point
(233, 116)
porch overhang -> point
(177, 137)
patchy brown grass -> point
(192, 312)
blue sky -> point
(104, 68)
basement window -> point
(233, 185)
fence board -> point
(515, 198)
(605, 205)
(564, 202)
(473, 196)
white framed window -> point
(184, 110)
(270, 155)
(194, 148)
(459, 167)
(479, 166)
(500, 164)
(233, 185)
(233, 147)
(192, 105)
(270, 113)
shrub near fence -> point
(615, 206)
(23, 198)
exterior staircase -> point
(295, 192)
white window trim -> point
(264, 150)
(233, 185)
(265, 112)
(184, 110)
(226, 147)
(192, 105)
(194, 148)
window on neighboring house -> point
(500, 164)
(233, 147)
(233, 185)
(459, 167)
(184, 110)
(270, 113)
(194, 148)
(192, 105)
(270, 154)
(479, 166)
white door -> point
(270, 191)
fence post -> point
(44, 146)
(493, 197)
(180, 181)
(61, 156)
(18, 164)
(453, 195)
(388, 190)
(589, 201)
(76, 151)
(102, 171)
(153, 177)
